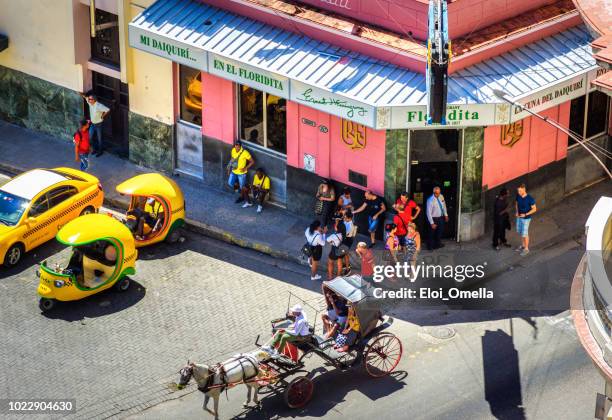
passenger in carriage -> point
(337, 311)
(147, 213)
(348, 336)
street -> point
(203, 300)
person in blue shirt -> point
(525, 206)
(437, 216)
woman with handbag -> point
(338, 250)
(351, 232)
(326, 198)
(313, 249)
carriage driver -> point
(295, 332)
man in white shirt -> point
(298, 329)
(97, 113)
(437, 216)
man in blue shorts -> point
(525, 206)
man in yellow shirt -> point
(259, 189)
(238, 167)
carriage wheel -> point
(383, 355)
(298, 392)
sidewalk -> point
(276, 232)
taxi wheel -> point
(13, 255)
(123, 284)
(46, 304)
(87, 210)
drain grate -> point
(442, 333)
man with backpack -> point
(238, 167)
(260, 190)
(81, 145)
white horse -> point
(212, 380)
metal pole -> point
(92, 17)
(502, 95)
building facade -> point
(335, 90)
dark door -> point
(114, 94)
(434, 162)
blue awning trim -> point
(526, 69)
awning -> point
(342, 82)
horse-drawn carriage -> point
(377, 350)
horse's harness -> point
(219, 369)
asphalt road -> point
(118, 354)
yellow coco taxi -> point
(103, 255)
(37, 203)
(157, 208)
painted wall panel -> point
(218, 108)
(539, 145)
(319, 134)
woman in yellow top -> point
(348, 336)
(259, 189)
(238, 167)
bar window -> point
(597, 115)
(589, 116)
(190, 81)
(266, 125)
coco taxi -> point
(36, 204)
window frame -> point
(585, 127)
(61, 190)
(258, 146)
(179, 110)
(44, 199)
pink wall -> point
(333, 157)
(466, 16)
(218, 99)
(540, 144)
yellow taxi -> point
(36, 204)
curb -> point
(243, 242)
(193, 226)
(219, 234)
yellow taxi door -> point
(61, 206)
(37, 223)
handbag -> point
(233, 163)
(307, 248)
(341, 251)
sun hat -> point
(297, 308)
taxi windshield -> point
(11, 208)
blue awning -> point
(342, 82)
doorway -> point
(434, 161)
(114, 94)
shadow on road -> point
(502, 378)
(330, 389)
(34, 257)
(101, 304)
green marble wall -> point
(471, 174)
(37, 104)
(396, 153)
(151, 143)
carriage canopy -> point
(361, 296)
